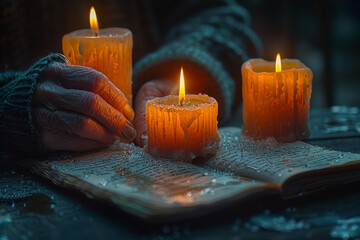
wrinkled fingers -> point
(88, 79)
(73, 124)
(87, 103)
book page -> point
(146, 186)
(155, 188)
(270, 161)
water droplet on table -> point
(345, 231)
(188, 194)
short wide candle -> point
(108, 51)
(182, 132)
(276, 104)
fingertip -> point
(128, 132)
(143, 139)
(129, 112)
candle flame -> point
(278, 63)
(93, 22)
(182, 88)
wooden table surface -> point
(33, 208)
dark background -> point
(322, 34)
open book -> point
(156, 189)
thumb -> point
(148, 91)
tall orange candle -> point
(107, 50)
(276, 99)
(182, 127)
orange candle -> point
(182, 127)
(107, 50)
(276, 99)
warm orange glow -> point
(182, 87)
(278, 63)
(93, 22)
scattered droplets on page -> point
(207, 191)
(54, 166)
(129, 169)
(244, 156)
(103, 182)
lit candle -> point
(276, 99)
(107, 50)
(182, 127)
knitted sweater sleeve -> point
(213, 40)
(17, 128)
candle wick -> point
(181, 102)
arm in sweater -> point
(17, 128)
(211, 40)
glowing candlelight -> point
(182, 129)
(93, 22)
(181, 88)
(278, 63)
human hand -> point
(78, 109)
(150, 90)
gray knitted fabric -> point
(152, 67)
(217, 41)
(17, 129)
